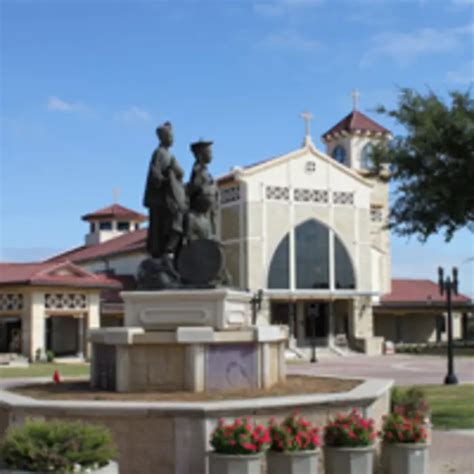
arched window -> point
(311, 260)
(366, 157)
(339, 154)
(279, 273)
(312, 255)
(344, 271)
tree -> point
(432, 165)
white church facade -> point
(305, 230)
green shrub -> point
(410, 402)
(49, 356)
(57, 446)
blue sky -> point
(83, 85)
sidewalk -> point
(452, 452)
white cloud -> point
(56, 104)
(462, 76)
(281, 7)
(406, 47)
(290, 40)
(133, 114)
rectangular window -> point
(123, 226)
(105, 225)
(92, 227)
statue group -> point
(181, 240)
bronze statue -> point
(181, 239)
(202, 195)
(165, 197)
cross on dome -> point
(307, 117)
(355, 99)
(116, 195)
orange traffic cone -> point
(56, 377)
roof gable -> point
(253, 169)
(56, 274)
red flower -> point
(249, 446)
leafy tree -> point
(432, 165)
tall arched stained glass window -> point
(312, 255)
(279, 273)
(311, 260)
(344, 273)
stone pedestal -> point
(167, 310)
(199, 340)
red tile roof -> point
(112, 295)
(418, 291)
(129, 242)
(355, 121)
(115, 211)
(50, 273)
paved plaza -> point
(403, 369)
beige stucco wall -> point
(413, 327)
(270, 220)
(33, 318)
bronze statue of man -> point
(165, 198)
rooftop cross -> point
(355, 99)
(307, 117)
(116, 194)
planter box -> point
(302, 462)
(409, 458)
(235, 463)
(111, 468)
(349, 460)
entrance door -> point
(10, 339)
(63, 335)
(314, 322)
(283, 313)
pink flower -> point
(249, 446)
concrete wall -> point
(172, 437)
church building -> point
(304, 231)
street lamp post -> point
(313, 336)
(449, 286)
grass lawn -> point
(452, 405)
(45, 370)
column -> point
(37, 328)
(93, 318)
(80, 336)
(331, 323)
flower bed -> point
(240, 437)
(350, 431)
(294, 433)
(398, 428)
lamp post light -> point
(256, 303)
(450, 286)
